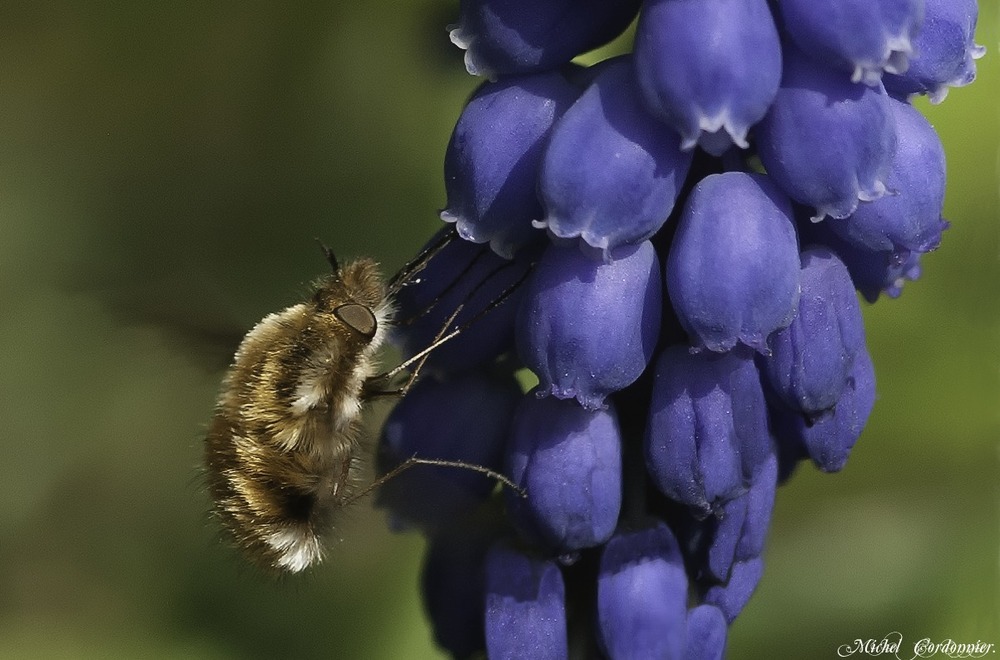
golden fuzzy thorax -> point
(282, 450)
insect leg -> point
(414, 460)
(456, 280)
(420, 358)
(417, 360)
(418, 263)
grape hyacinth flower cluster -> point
(679, 235)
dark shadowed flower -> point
(501, 37)
(480, 405)
(709, 68)
(733, 270)
(453, 584)
(566, 334)
(472, 277)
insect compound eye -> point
(358, 318)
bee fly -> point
(282, 453)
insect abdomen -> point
(279, 451)
(277, 503)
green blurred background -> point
(176, 160)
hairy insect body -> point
(282, 448)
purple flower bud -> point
(719, 535)
(860, 35)
(472, 276)
(466, 418)
(733, 269)
(706, 633)
(829, 438)
(827, 141)
(733, 596)
(707, 411)
(813, 358)
(710, 68)
(908, 218)
(491, 166)
(568, 459)
(525, 607)
(588, 328)
(738, 530)
(611, 171)
(760, 506)
(519, 36)
(945, 51)
(642, 595)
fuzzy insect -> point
(282, 452)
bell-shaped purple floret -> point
(473, 277)
(502, 37)
(611, 172)
(569, 461)
(945, 51)
(525, 607)
(733, 270)
(826, 141)
(491, 165)
(588, 328)
(733, 596)
(707, 416)
(873, 272)
(466, 418)
(812, 359)
(709, 68)
(908, 218)
(828, 440)
(857, 35)
(642, 595)
(707, 631)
